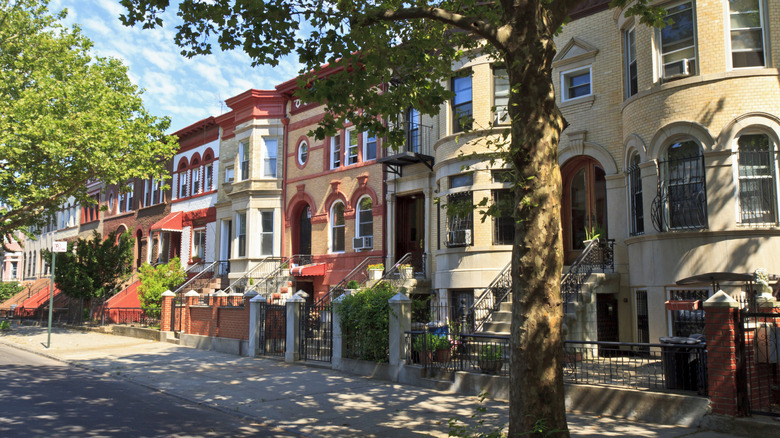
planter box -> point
(374, 274)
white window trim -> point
(265, 156)
(357, 215)
(262, 233)
(764, 36)
(335, 141)
(243, 155)
(735, 176)
(195, 232)
(365, 147)
(301, 146)
(659, 55)
(571, 72)
(349, 133)
(331, 222)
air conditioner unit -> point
(459, 238)
(365, 242)
(677, 69)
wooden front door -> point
(584, 204)
(304, 232)
(409, 226)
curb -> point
(245, 417)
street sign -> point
(59, 246)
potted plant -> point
(406, 271)
(375, 271)
(491, 358)
(443, 349)
(351, 287)
(423, 346)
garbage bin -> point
(681, 362)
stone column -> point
(218, 299)
(400, 323)
(293, 328)
(190, 299)
(167, 309)
(256, 304)
(720, 331)
(337, 346)
(648, 172)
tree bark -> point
(536, 382)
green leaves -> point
(157, 279)
(66, 117)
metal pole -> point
(51, 296)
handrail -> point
(496, 293)
(203, 272)
(355, 274)
(592, 256)
(392, 275)
(234, 285)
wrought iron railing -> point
(496, 293)
(255, 276)
(398, 273)
(681, 202)
(598, 254)
(358, 275)
(142, 316)
(486, 354)
(200, 279)
(417, 140)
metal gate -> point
(273, 330)
(316, 332)
(757, 371)
(177, 309)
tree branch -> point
(470, 24)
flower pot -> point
(374, 274)
(407, 272)
(443, 355)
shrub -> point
(157, 279)
(426, 341)
(365, 323)
(9, 289)
(353, 284)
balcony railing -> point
(417, 148)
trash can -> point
(681, 362)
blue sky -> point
(186, 90)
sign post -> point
(57, 246)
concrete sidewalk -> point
(301, 399)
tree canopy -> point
(66, 118)
(369, 60)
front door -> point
(410, 231)
(304, 235)
(607, 317)
(584, 204)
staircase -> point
(29, 290)
(204, 277)
(266, 277)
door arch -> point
(584, 204)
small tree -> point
(9, 289)
(94, 268)
(365, 323)
(157, 279)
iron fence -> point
(141, 316)
(466, 352)
(670, 366)
(758, 358)
(273, 330)
(316, 333)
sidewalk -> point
(302, 399)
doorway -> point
(584, 204)
(304, 231)
(607, 317)
(410, 228)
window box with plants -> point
(375, 271)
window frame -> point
(572, 73)
(335, 151)
(243, 160)
(266, 236)
(763, 31)
(196, 244)
(501, 111)
(351, 150)
(303, 153)
(501, 235)
(241, 219)
(360, 220)
(369, 140)
(774, 169)
(335, 228)
(631, 85)
(694, 45)
(458, 223)
(676, 180)
(457, 114)
(270, 161)
(635, 197)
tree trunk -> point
(536, 397)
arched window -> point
(337, 227)
(364, 224)
(195, 177)
(756, 179)
(182, 180)
(303, 152)
(682, 199)
(637, 215)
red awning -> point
(311, 270)
(172, 222)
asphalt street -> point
(41, 397)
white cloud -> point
(98, 26)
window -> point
(335, 151)
(130, 197)
(501, 95)
(122, 202)
(266, 232)
(629, 52)
(303, 153)
(199, 244)
(575, 83)
(678, 42)
(14, 269)
(241, 234)
(243, 160)
(460, 222)
(369, 147)
(461, 103)
(157, 193)
(682, 189)
(183, 184)
(208, 181)
(757, 181)
(635, 197)
(337, 227)
(365, 217)
(412, 130)
(111, 203)
(269, 157)
(503, 224)
(462, 180)
(687, 322)
(746, 21)
(352, 146)
(229, 174)
(195, 181)
(147, 199)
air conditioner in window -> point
(677, 69)
(502, 116)
(459, 238)
(365, 242)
